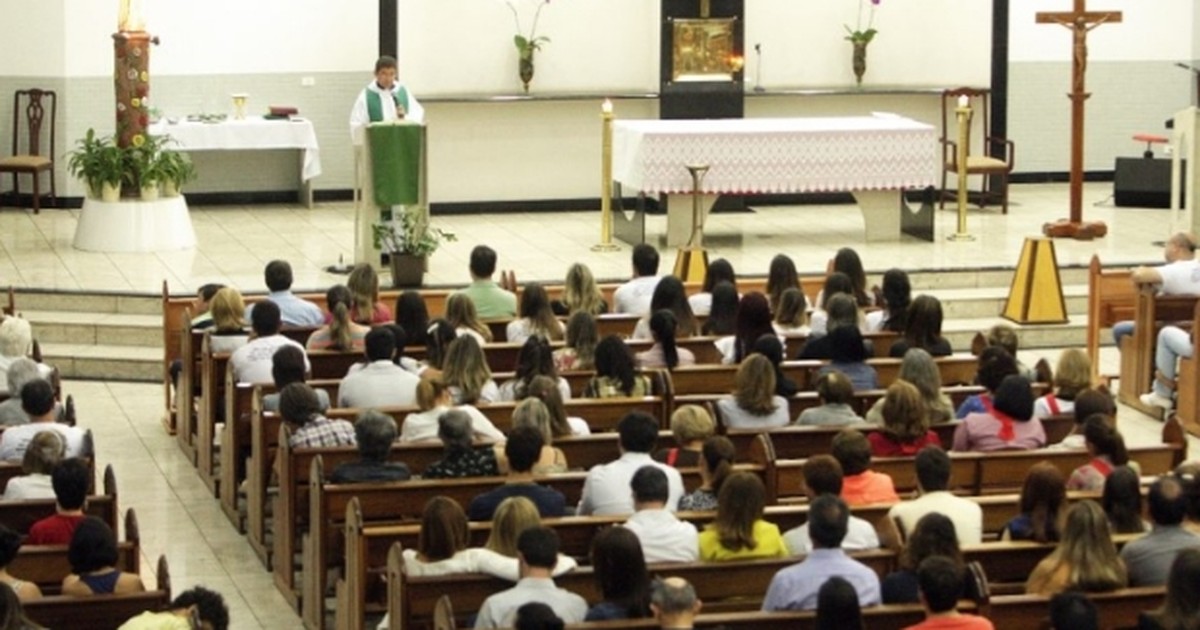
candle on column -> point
(964, 101)
(607, 107)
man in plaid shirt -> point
(300, 408)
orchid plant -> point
(859, 35)
(526, 46)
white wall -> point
(1150, 31)
(31, 43)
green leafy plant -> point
(409, 237)
(176, 168)
(145, 161)
(527, 45)
(859, 35)
(97, 160)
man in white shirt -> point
(823, 475)
(537, 551)
(1180, 276)
(381, 383)
(664, 537)
(634, 296)
(37, 400)
(606, 489)
(293, 311)
(252, 362)
(933, 479)
(383, 100)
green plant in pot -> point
(145, 158)
(408, 243)
(100, 163)
(176, 170)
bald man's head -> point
(1181, 246)
(673, 599)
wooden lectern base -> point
(691, 264)
(1084, 231)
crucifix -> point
(1080, 21)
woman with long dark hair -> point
(1009, 425)
(753, 321)
(535, 359)
(664, 352)
(669, 295)
(923, 329)
(412, 314)
(716, 464)
(780, 277)
(620, 570)
(719, 271)
(1106, 447)
(1043, 505)
(616, 376)
(897, 295)
(535, 317)
(934, 535)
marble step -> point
(105, 362)
(78, 327)
(87, 302)
(960, 332)
(971, 303)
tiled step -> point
(78, 327)
(104, 362)
(88, 302)
(960, 332)
(989, 301)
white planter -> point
(135, 226)
(110, 193)
(170, 189)
(150, 193)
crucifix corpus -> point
(1080, 21)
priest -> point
(384, 99)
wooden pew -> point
(1137, 350)
(47, 565)
(1110, 300)
(1118, 609)
(20, 515)
(1187, 400)
(102, 612)
(9, 470)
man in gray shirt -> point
(1149, 558)
(537, 550)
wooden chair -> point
(31, 160)
(994, 159)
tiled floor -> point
(178, 517)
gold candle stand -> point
(606, 167)
(964, 114)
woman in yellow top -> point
(738, 532)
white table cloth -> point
(776, 155)
(253, 133)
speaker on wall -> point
(1143, 182)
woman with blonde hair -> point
(341, 332)
(460, 312)
(691, 426)
(513, 516)
(536, 318)
(790, 317)
(905, 423)
(580, 294)
(228, 311)
(919, 368)
(1072, 376)
(434, 399)
(754, 403)
(1086, 558)
(739, 532)
(466, 372)
(364, 287)
(532, 412)
(579, 352)
(546, 390)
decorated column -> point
(132, 75)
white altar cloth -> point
(133, 225)
(776, 155)
(253, 133)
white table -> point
(255, 133)
(873, 157)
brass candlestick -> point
(691, 262)
(606, 165)
(964, 114)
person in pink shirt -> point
(1009, 425)
(861, 485)
(941, 588)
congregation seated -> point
(549, 391)
(669, 295)
(340, 332)
(836, 283)
(771, 347)
(532, 413)
(70, 481)
(739, 532)
(535, 317)
(837, 606)
(823, 475)
(1009, 425)
(1005, 336)
(366, 309)
(934, 536)
(1180, 607)
(1106, 447)
(662, 536)
(620, 571)
(1122, 501)
(413, 316)
(716, 464)
(1085, 559)
(719, 270)
(10, 545)
(1087, 403)
(535, 359)
(995, 364)
(226, 317)
(923, 329)
(374, 433)
(197, 607)
(522, 450)
(537, 616)
(848, 355)
(860, 484)
(1072, 610)
(14, 610)
(674, 603)
(781, 276)
(44, 453)
(797, 587)
(37, 401)
(461, 314)
(918, 368)
(723, 304)
(896, 295)
(16, 342)
(293, 310)
(940, 579)
(664, 353)
(616, 376)
(933, 481)
(580, 293)
(754, 403)
(252, 362)
(538, 550)
(1043, 504)
(93, 557)
(289, 365)
(435, 401)
(465, 371)
(789, 318)
(579, 347)
(606, 489)
(380, 383)
(19, 372)
(836, 392)
(1148, 559)
(460, 457)
(633, 297)
(491, 301)
(691, 425)
(842, 313)
(301, 409)
(905, 423)
(1072, 376)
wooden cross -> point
(1080, 21)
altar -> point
(875, 158)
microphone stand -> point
(758, 86)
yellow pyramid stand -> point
(1036, 295)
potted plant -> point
(408, 243)
(145, 158)
(176, 169)
(101, 164)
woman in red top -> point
(905, 423)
